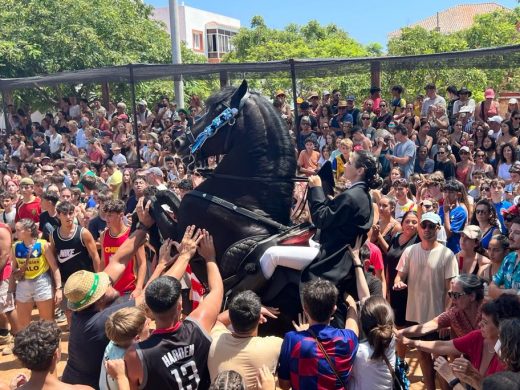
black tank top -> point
(72, 254)
(175, 358)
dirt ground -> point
(10, 367)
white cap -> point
(142, 103)
(496, 119)
(512, 101)
(465, 109)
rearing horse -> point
(255, 174)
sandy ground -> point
(10, 367)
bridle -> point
(225, 118)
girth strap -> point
(237, 209)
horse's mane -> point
(269, 144)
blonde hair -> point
(347, 142)
(126, 323)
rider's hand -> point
(143, 213)
(206, 247)
(314, 181)
(191, 239)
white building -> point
(204, 32)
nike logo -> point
(63, 259)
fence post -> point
(296, 122)
(375, 74)
(134, 110)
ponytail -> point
(377, 322)
(367, 160)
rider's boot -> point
(253, 279)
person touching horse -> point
(340, 221)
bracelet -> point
(454, 382)
(358, 266)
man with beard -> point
(427, 268)
(507, 279)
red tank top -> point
(109, 246)
(6, 272)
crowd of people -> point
(438, 272)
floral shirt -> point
(508, 276)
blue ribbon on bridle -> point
(224, 118)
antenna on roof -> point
(438, 28)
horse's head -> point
(212, 134)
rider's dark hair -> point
(244, 311)
(162, 294)
(367, 160)
(319, 298)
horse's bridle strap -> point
(237, 209)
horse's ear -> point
(239, 94)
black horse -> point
(255, 175)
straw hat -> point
(84, 288)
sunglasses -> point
(516, 118)
(365, 118)
(441, 152)
(426, 225)
(481, 211)
(485, 189)
(463, 152)
(455, 295)
(382, 105)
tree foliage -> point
(494, 29)
(48, 36)
(311, 40)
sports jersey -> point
(37, 264)
(30, 210)
(109, 246)
(175, 358)
(303, 364)
(71, 253)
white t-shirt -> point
(368, 374)
(55, 143)
(426, 272)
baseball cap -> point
(489, 94)
(464, 149)
(142, 103)
(496, 119)
(473, 232)
(351, 97)
(280, 92)
(325, 93)
(431, 217)
(512, 101)
(27, 181)
(122, 117)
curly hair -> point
(493, 218)
(510, 350)
(504, 307)
(35, 345)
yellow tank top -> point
(37, 263)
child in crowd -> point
(124, 327)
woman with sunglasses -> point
(467, 295)
(464, 166)
(478, 345)
(444, 164)
(480, 165)
(479, 134)
(485, 217)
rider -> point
(340, 220)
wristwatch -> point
(142, 227)
(454, 382)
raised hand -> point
(302, 323)
(190, 241)
(206, 247)
(143, 213)
(271, 312)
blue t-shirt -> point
(508, 275)
(503, 205)
(458, 217)
(302, 363)
(406, 149)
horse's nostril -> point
(178, 144)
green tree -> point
(311, 40)
(48, 36)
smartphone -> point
(37, 152)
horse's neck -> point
(272, 199)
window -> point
(219, 40)
(198, 40)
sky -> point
(364, 25)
